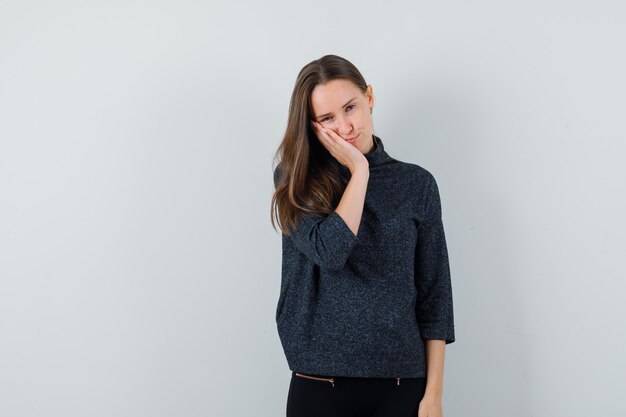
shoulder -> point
(416, 173)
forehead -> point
(330, 97)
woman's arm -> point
(434, 298)
(430, 406)
(433, 307)
(435, 355)
(350, 208)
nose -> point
(344, 125)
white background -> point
(139, 273)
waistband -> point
(293, 373)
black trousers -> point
(314, 395)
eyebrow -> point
(350, 101)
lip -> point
(352, 139)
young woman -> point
(365, 306)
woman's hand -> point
(344, 152)
(430, 407)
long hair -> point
(307, 177)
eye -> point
(348, 108)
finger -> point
(319, 127)
(323, 133)
(336, 139)
(332, 137)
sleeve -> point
(434, 310)
(327, 241)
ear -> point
(370, 96)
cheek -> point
(365, 119)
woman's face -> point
(339, 105)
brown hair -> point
(307, 178)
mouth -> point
(351, 140)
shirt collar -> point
(377, 155)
